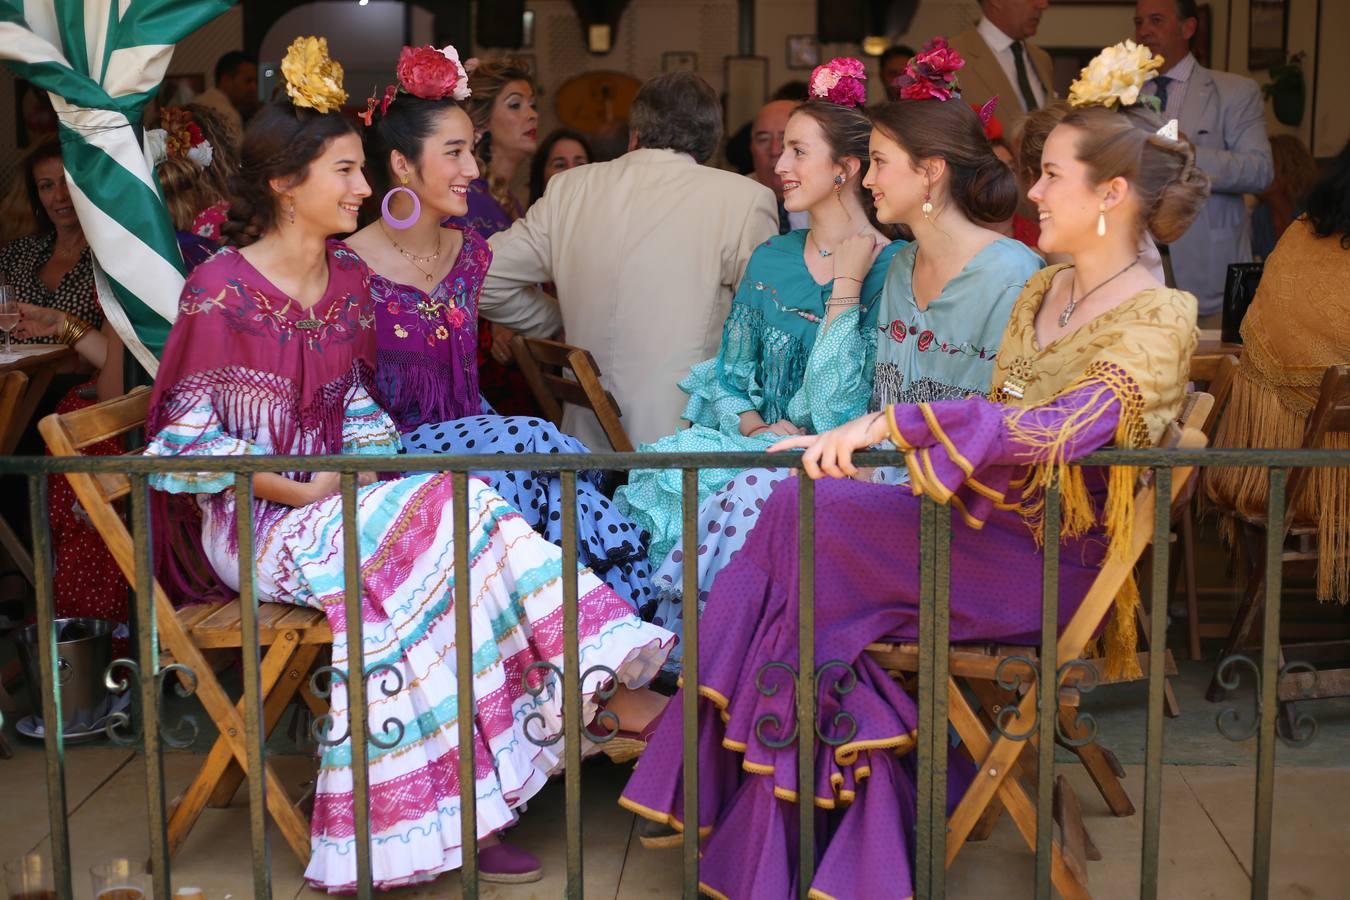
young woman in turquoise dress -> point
(946, 300)
(425, 281)
(797, 287)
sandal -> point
(503, 863)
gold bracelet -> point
(75, 329)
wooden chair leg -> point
(1098, 765)
(1142, 617)
(1192, 592)
(223, 754)
(275, 701)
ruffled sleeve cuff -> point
(711, 404)
(367, 429)
(197, 432)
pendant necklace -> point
(825, 254)
(417, 260)
(1074, 301)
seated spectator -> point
(562, 150)
(1283, 202)
(766, 146)
(223, 166)
(1297, 326)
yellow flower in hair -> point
(1115, 76)
(313, 78)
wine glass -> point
(9, 311)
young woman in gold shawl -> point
(1297, 326)
(1096, 353)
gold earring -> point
(403, 180)
(1101, 219)
(928, 200)
(291, 212)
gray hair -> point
(678, 111)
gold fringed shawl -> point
(1297, 326)
(1138, 354)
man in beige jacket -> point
(646, 252)
(1001, 63)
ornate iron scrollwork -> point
(120, 727)
(842, 686)
(1086, 684)
(552, 676)
(1012, 710)
(323, 726)
(770, 720)
(1294, 729)
(1302, 727)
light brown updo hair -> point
(1161, 172)
(486, 83)
(981, 186)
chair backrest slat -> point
(547, 366)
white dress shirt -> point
(1176, 88)
(1001, 44)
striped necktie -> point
(1162, 81)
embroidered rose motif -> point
(392, 307)
(898, 331)
(442, 333)
(925, 340)
(457, 318)
(400, 331)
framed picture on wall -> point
(679, 61)
(803, 51)
(1268, 33)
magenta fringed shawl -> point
(276, 376)
(427, 343)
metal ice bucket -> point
(83, 653)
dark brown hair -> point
(47, 148)
(545, 149)
(281, 142)
(848, 132)
(1161, 172)
(980, 184)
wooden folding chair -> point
(13, 386)
(1331, 415)
(293, 635)
(1002, 756)
(546, 365)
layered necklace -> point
(414, 259)
(1074, 301)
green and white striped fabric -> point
(101, 61)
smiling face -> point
(329, 199)
(897, 184)
(1066, 199)
(566, 154)
(49, 176)
(514, 123)
(446, 166)
(806, 168)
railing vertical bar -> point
(147, 651)
(253, 727)
(1047, 706)
(356, 684)
(927, 826)
(464, 707)
(806, 685)
(571, 685)
(1157, 644)
(1270, 684)
(942, 584)
(690, 694)
(51, 697)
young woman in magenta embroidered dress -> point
(756, 390)
(425, 282)
(273, 352)
(1094, 354)
(945, 303)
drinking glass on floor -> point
(29, 878)
(119, 879)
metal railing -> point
(144, 728)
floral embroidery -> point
(400, 331)
(808, 315)
(442, 334)
(897, 331)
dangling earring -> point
(838, 183)
(290, 213)
(389, 218)
(1101, 219)
(928, 201)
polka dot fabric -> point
(607, 541)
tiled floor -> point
(1206, 834)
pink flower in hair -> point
(932, 73)
(432, 74)
(842, 80)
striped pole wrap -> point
(101, 61)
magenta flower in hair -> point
(932, 73)
(432, 74)
(842, 80)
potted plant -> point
(1287, 90)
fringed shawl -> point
(426, 344)
(1297, 326)
(1137, 354)
(275, 375)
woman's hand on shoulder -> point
(831, 453)
(854, 257)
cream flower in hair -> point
(1115, 76)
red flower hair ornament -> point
(931, 75)
(842, 80)
(425, 72)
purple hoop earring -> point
(389, 217)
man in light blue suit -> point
(1223, 116)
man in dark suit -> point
(1000, 63)
(1223, 115)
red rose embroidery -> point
(925, 340)
(898, 331)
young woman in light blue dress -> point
(751, 394)
(946, 300)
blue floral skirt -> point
(607, 541)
